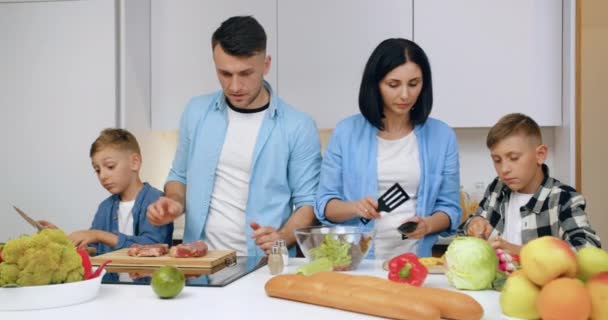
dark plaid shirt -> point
(555, 209)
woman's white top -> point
(398, 161)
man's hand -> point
(479, 227)
(510, 248)
(163, 211)
(265, 237)
(81, 239)
(366, 208)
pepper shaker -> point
(275, 261)
(284, 252)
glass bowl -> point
(345, 246)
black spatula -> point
(390, 200)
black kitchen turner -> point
(390, 200)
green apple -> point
(591, 261)
(518, 297)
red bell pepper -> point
(86, 263)
(407, 269)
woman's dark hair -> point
(388, 55)
(240, 36)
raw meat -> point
(149, 250)
(188, 250)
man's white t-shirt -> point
(398, 161)
(225, 227)
(512, 231)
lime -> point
(168, 282)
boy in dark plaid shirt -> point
(524, 203)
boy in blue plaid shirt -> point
(524, 203)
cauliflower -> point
(44, 258)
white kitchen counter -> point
(243, 299)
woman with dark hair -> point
(393, 140)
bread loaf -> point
(351, 297)
(375, 296)
(451, 304)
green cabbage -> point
(471, 263)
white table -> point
(243, 299)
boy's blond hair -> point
(511, 124)
(116, 138)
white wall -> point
(58, 90)
(48, 173)
(158, 147)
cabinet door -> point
(323, 48)
(182, 59)
(58, 80)
(490, 58)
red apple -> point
(547, 258)
(598, 289)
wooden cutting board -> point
(212, 259)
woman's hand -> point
(366, 208)
(422, 229)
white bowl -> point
(49, 296)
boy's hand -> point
(366, 208)
(81, 239)
(265, 237)
(479, 227)
(163, 211)
(47, 224)
(500, 243)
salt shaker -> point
(284, 252)
(275, 261)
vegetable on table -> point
(471, 263)
(506, 262)
(406, 268)
(336, 250)
(44, 258)
(318, 265)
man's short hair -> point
(120, 139)
(240, 36)
(512, 124)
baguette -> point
(451, 304)
(349, 297)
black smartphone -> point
(406, 228)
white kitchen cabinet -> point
(181, 56)
(58, 74)
(323, 48)
(490, 58)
